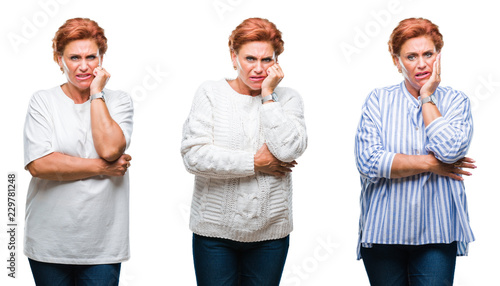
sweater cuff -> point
(249, 164)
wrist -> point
(273, 97)
(94, 90)
(101, 166)
(427, 162)
(424, 94)
(267, 91)
(98, 95)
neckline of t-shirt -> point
(68, 99)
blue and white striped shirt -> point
(420, 209)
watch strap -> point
(273, 96)
(431, 98)
(97, 95)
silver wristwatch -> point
(273, 96)
(431, 99)
(97, 95)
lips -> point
(84, 76)
(257, 78)
(422, 75)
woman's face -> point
(416, 62)
(252, 62)
(78, 61)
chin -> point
(82, 86)
(256, 86)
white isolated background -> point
(335, 54)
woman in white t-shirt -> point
(75, 137)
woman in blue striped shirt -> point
(410, 150)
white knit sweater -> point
(220, 137)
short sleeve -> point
(38, 130)
(121, 109)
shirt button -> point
(418, 152)
(416, 128)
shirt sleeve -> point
(372, 160)
(38, 130)
(201, 156)
(449, 136)
(121, 109)
(284, 125)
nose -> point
(258, 67)
(421, 62)
(84, 65)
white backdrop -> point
(335, 54)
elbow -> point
(192, 168)
(450, 158)
(188, 164)
(290, 153)
(111, 154)
(363, 173)
(33, 169)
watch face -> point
(98, 95)
(433, 99)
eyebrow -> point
(416, 53)
(255, 57)
(79, 55)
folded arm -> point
(61, 167)
(374, 161)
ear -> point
(59, 62)
(395, 59)
(233, 59)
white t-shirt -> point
(76, 222)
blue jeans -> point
(51, 274)
(429, 264)
(224, 262)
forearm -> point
(108, 137)
(60, 167)
(430, 112)
(409, 165)
(215, 162)
(284, 129)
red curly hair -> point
(78, 29)
(256, 29)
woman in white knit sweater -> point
(241, 140)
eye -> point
(267, 60)
(74, 58)
(428, 54)
(411, 57)
(90, 58)
(250, 59)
